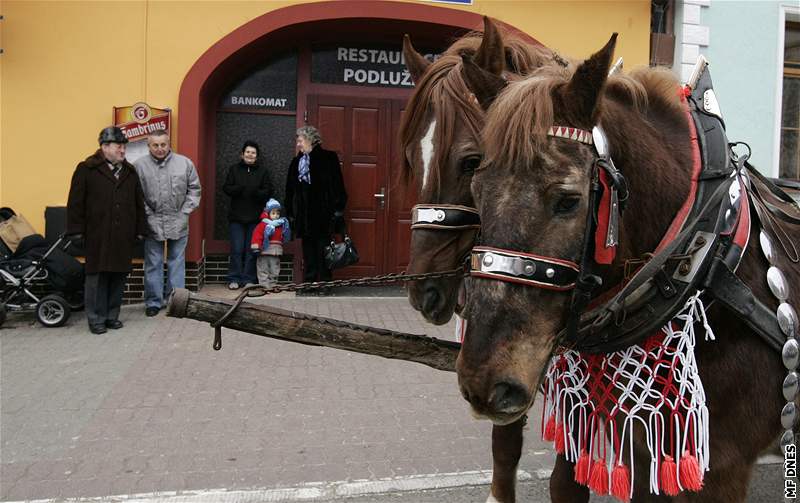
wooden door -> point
(363, 131)
(356, 129)
(401, 199)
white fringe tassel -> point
(630, 379)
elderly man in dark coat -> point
(106, 207)
(315, 200)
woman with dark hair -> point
(315, 200)
(249, 187)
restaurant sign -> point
(361, 65)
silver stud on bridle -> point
(790, 354)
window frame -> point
(789, 15)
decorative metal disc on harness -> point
(790, 353)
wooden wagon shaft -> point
(307, 329)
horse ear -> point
(415, 62)
(484, 85)
(584, 88)
(491, 53)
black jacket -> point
(249, 187)
(313, 205)
(109, 212)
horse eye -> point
(470, 164)
(567, 204)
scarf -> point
(115, 169)
(303, 173)
(269, 229)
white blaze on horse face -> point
(426, 145)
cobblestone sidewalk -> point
(153, 408)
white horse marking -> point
(426, 145)
(492, 499)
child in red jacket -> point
(267, 241)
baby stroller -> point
(34, 261)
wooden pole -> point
(314, 330)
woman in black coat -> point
(315, 199)
(249, 187)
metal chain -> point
(260, 291)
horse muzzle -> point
(436, 299)
(506, 402)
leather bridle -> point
(446, 217)
(700, 251)
(601, 231)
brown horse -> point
(440, 140)
(439, 136)
(532, 191)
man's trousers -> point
(103, 296)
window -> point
(790, 114)
(662, 36)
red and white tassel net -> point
(594, 402)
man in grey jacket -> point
(171, 192)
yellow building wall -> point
(66, 64)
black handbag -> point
(338, 255)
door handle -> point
(381, 196)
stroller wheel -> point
(53, 311)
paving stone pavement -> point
(152, 407)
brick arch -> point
(279, 30)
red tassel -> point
(560, 438)
(669, 479)
(550, 429)
(582, 468)
(691, 478)
(621, 483)
(598, 479)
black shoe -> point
(151, 311)
(97, 329)
(114, 324)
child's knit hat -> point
(273, 204)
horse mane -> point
(511, 137)
(443, 88)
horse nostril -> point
(465, 393)
(430, 300)
(509, 398)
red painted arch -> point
(281, 29)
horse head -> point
(532, 192)
(439, 135)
